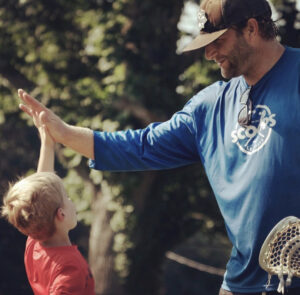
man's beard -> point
(237, 60)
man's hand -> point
(56, 127)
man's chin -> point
(228, 74)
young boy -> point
(39, 207)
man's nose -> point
(210, 51)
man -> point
(245, 132)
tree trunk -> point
(101, 255)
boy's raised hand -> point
(38, 120)
(46, 159)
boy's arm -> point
(46, 159)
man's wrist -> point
(65, 134)
(79, 139)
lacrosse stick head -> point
(280, 252)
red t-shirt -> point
(57, 270)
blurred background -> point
(110, 65)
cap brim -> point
(203, 39)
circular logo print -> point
(252, 138)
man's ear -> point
(60, 215)
(251, 31)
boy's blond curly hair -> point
(32, 202)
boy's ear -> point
(60, 214)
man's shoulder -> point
(206, 95)
(289, 64)
(293, 54)
(293, 50)
(210, 95)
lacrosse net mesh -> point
(280, 252)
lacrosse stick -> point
(280, 252)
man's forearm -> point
(80, 140)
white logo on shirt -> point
(252, 138)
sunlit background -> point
(112, 65)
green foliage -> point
(110, 65)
